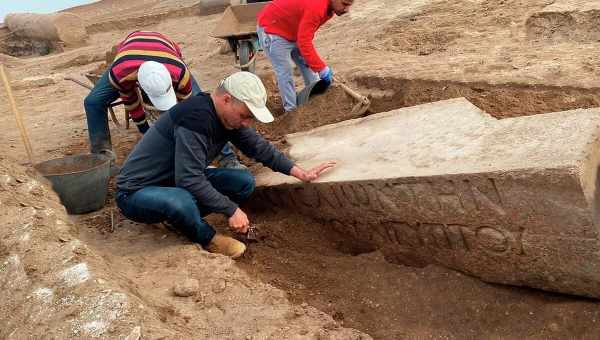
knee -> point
(247, 184)
(181, 204)
(91, 102)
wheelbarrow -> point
(238, 27)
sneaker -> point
(114, 168)
(227, 246)
(231, 163)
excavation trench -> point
(499, 100)
(354, 283)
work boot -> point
(227, 246)
(114, 168)
(231, 163)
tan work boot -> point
(227, 246)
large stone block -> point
(512, 201)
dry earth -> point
(505, 56)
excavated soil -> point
(398, 53)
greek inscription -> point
(492, 240)
(307, 196)
(327, 195)
(427, 199)
(406, 233)
(402, 193)
(353, 196)
(373, 194)
(450, 198)
(456, 237)
(446, 237)
(487, 196)
(434, 235)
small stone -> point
(219, 287)
(187, 287)
(554, 327)
(331, 325)
(135, 334)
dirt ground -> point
(399, 53)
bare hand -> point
(239, 221)
(312, 174)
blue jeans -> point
(96, 104)
(179, 207)
(279, 51)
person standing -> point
(286, 29)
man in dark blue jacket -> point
(166, 176)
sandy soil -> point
(399, 53)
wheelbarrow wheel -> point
(246, 53)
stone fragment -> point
(511, 201)
(187, 287)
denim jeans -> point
(179, 207)
(96, 104)
(280, 51)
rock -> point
(554, 327)
(187, 287)
(509, 201)
(64, 27)
(135, 334)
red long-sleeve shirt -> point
(297, 20)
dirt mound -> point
(66, 28)
(566, 20)
(53, 285)
(335, 105)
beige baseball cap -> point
(248, 88)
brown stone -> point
(510, 201)
(187, 287)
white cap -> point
(155, 80)
(248, 88)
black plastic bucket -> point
(81, 181)
(316, 88)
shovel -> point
(251, 236)
(362, 103)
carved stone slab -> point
(510, 201)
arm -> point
(190, 164)
(255, 146)
(133, 103)
(309, 24)
(184, 86)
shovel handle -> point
(17, 113)
(352, 93)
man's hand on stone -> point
(239, 221)
(312, 174)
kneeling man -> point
(166, 177)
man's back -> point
(152, 161)
(283, 17)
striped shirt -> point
(138, 47)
